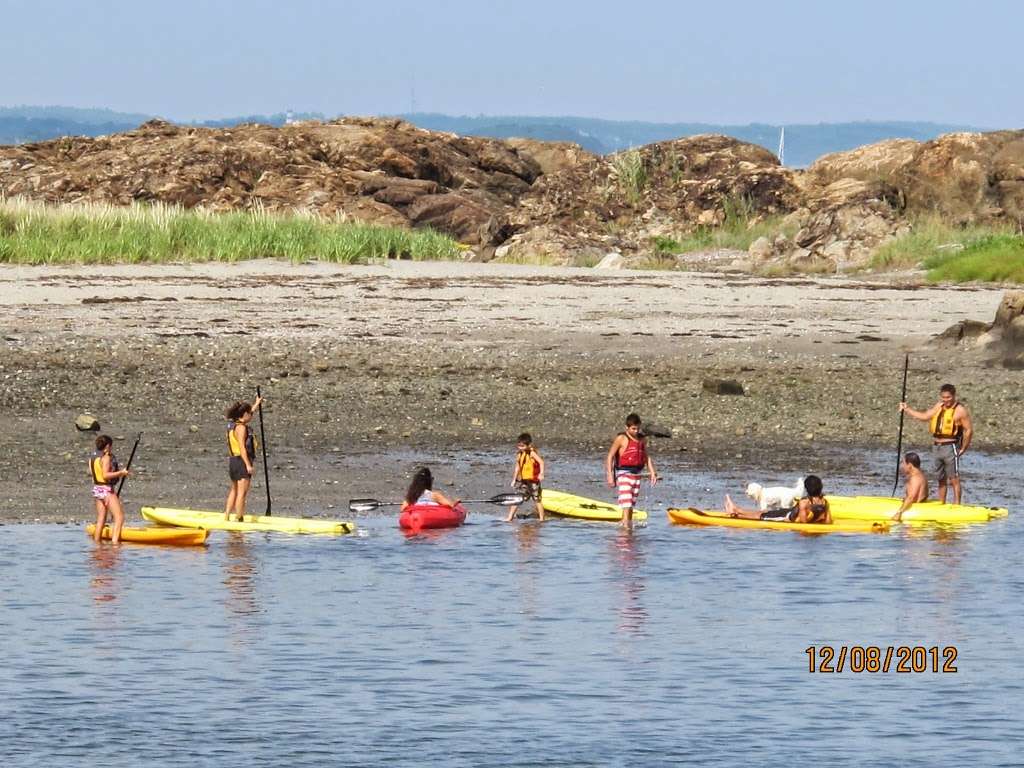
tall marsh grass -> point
(38, 233)
(738, 230)
(957, 254)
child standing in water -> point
(241, 454)
(104, 469)
(527, 475)
(626, 460)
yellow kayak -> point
(567, 505)
(191, 518)
(179, 537)
(882, 508)
(698, 517)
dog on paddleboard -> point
(776, 496)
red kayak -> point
(421, 516)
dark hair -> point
(912, 459)
(632, 420)
(948, 388)
(526, 438)
(237, 410)
(421, 481)
(102, 441)
(812, 484)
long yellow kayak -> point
(882, 508)
(568, 505)
(698, 517)
(179, 537)
(191, 518)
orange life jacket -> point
(527, 467)
(943, 424)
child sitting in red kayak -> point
(527, 475)
(421, 491)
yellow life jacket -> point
(527, 467)
(943, 424)
(96, 469)
(234, 449)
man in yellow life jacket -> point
(950, 425)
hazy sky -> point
(731, 61)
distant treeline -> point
(804, 143)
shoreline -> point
(441, 356)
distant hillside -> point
(804, 143)
(21, 125)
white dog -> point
(777, 496)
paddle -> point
(129, 464)
(368, 505)
(263, 448)
(899, 440)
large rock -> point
(87, 423)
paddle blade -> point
(363, 505)
(507, 499)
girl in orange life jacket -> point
(527, 475)
(626, 459)
(421, 491)
(241, 454)
(104, 471)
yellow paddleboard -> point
(698, 517)
(882, 508)
(568, 505)
(191, 518)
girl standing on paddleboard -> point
(241, 454)
(104, 469)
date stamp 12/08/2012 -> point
(902, 659)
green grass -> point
(631, 172)
(929, 237)
(997, 258)
(35, 233)
(739, 229)
(956, 254)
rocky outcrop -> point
(377, 170)
(522, 199)
(1002, 339)
(856, 201)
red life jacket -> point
(634, 456)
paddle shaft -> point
(899, 440)
(504, 499)
(129, 464)
(263, 449)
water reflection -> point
(628, 561)
(240, 571)
(103, 581)
(527, 538)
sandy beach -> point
(365, 361)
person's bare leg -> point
(730, 508)
(117, 510)
(229, 505)
(240, 495)
(540, 509)
(512, 513)
(940, 494)
(101, 520)
(955, 482)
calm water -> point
(562, 644)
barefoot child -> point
(527, 475)
(626, 460)
(241, 453)
(105, 471)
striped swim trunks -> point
(629, 489)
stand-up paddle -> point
(263, 448)
(129, 464)
(899, 440)
(368, 505)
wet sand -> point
(370, 369)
